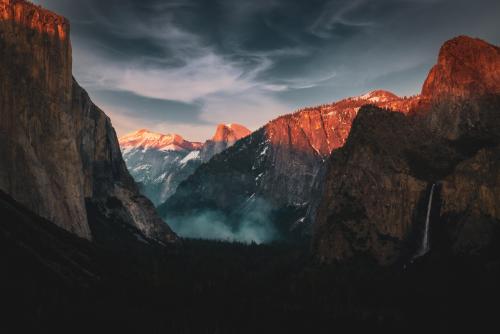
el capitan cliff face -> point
(377, 187)
(59, 151)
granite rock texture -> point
(278, 165)
(59, 151)
(376, 192)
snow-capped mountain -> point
(146, 140)
(160, 162)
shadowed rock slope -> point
(376, 194)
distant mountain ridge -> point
(230, 133)
(277, 165)
(160, 162)
(367, 199)
(146, 139)
(226, 135)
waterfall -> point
(425, 247)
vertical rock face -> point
(59, 151)
(376, 189)
(36, 129)
(230, 133)
(277, 164)
(225, 136)
(159, 163)
(467, 67)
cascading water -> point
(425, 247)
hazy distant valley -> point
(159, 163)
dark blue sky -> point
(184, 65)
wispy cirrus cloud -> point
(185, 65)
(221, 85)
(338, 13)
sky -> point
(183, 66)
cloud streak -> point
(336, 14)
(249, 61)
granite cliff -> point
(437, 165)
(275, 169)
(226, 135)
(60, 154)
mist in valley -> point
(253, 224)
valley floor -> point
(53, 280)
